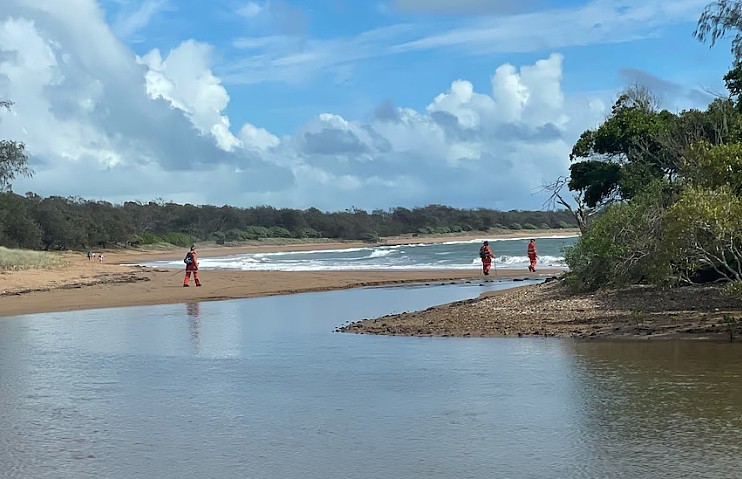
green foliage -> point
(621, 247)
(178, 239)
(279, 232)
(596, 179)
(717, 19)
(13, 159)
(516, 226)
(74, 223)
(149, 238)
(307, 232)
(731, 324)
(712, 166)
(703, 231)
(733, 290)
(256, 232)
(529, 226)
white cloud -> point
(185, 79)
(101, 123)
(130, 21)
(284, 58)
(250, 10)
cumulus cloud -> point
(101, 122)
(185, 80)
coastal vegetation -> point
(17, 259)
(658, 195)
(58, 223)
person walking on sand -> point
(90, 255)
(191, 262)
(486, 254)
(532, 255)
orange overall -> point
(532, 255)
(486, 254)
(192, 267)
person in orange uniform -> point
(486, 254)
(191, 261)
(532, 255)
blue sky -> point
(331, 103)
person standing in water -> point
(191, 262)
(532, 255)
(485, 253)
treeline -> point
(58, 223)
(659, 194)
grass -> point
(17, 259)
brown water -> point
(263, 388)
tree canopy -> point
(665, 188)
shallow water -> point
(262, 388)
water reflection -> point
(643, 405)
(263, 388)
(193, 310)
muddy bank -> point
(548, 309)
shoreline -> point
(550, 310)
(118, 282)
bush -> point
(218, 237)
(178, 239)
(703, 234)
(623, 245)
(307, 233)
(515, 226)
(564, 225)
(529, 226)
(544, 226)
(279, 232)
(256, 232)
(733, 289)
(149, 238)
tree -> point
(13, 159)
(625, 153)
(579, 210)
(716, 20)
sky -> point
(332, 104)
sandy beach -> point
(546, 309)
(83, 284)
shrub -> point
(623, 245)
(515, 226)
(279, 232)
(149, 238)
(178, 239)
(529, 226)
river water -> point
(263, 388)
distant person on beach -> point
(191, 262)
(90, 255)
(100, 258)
(486, 254)
(532, 255)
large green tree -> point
(13, 159)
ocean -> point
(510, 254)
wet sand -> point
(550, 310)
(83, 284)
